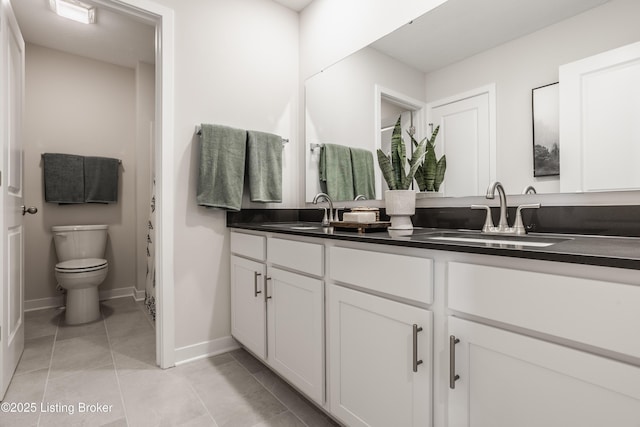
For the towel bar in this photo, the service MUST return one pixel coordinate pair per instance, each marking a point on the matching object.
(199, 132)
(313, 147)
(119, 161)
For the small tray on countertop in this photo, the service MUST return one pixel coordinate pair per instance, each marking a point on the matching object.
(361, 227)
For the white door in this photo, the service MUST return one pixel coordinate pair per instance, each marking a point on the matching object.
(248, 317)
(12, 264)
(467, 137)
(295, 330)
(507, 379)
(599, 132)
(376, 377)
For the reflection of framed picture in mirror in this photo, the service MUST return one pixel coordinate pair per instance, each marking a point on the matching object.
(546, 144)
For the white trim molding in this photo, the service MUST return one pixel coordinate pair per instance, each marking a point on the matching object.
(163, 18)
(205, 349)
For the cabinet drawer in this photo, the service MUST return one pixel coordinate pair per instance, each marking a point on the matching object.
(302, 256)
(599, 313)
(400, 275)
(248, 245)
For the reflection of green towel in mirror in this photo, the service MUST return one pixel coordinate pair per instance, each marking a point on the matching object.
(335, 171)
(363, 173)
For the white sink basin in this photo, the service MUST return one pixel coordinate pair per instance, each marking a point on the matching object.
(293, 226)
(487, 239)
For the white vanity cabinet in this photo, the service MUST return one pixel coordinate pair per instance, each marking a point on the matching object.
(508, 379)
(524, 372)
(295, 314)
(380, 349)
(248, 272)
(277, 306)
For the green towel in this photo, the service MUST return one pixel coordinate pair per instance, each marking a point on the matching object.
(63, 178)
(264, 166)
(363, 173)
(335, 171)
(101, 179)
(221, 174)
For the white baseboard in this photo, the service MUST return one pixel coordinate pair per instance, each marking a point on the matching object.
(205, 349)
(42, 303)
(138, 295)
(50, 302)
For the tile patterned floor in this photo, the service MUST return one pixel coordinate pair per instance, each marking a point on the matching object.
(111, 362)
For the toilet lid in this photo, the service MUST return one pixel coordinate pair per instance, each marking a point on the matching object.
(81, 265)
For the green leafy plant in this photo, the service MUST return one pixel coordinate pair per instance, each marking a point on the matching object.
(393, 166)
(430, 173)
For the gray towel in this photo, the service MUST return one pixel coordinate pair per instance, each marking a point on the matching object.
(101, 179)
(63, 178)
(221, 172)
(335, 171)
(264, 165)
(363, 173)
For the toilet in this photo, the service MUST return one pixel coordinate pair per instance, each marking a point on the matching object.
(81, 268)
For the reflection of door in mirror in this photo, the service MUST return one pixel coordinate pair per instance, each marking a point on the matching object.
(468, 138)
(393, 105)
(599, 131)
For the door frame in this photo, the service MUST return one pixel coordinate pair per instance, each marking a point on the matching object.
(163, 19)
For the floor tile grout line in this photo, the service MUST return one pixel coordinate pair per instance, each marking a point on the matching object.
(269, 391)
(46, 382)
(115, 370)
(202, 402)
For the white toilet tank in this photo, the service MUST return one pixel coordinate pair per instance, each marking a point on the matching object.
(79, 241)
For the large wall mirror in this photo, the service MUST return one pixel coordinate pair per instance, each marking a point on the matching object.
(492, 52)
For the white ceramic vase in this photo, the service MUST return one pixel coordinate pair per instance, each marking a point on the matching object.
(400, 205)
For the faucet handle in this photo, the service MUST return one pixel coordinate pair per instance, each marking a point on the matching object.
(336, 218)
(518, 228)
(325, 219)
(488, 221)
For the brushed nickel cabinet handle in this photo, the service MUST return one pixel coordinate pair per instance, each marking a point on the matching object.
(416, 362)
(255, 283)
(266, 296)
(452, 362)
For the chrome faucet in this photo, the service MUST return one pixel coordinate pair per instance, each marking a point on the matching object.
(503, 224)
(360, 197)
(529, 190)
(325, 221)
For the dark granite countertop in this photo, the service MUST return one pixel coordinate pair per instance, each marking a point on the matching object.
(607, 251)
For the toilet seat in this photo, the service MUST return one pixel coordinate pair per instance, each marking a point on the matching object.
(85, 265)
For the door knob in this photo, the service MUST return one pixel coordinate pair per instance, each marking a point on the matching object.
(29, 210)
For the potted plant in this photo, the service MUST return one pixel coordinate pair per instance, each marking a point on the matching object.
(400, 201)
(430, 173)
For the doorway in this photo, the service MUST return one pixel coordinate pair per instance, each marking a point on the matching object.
(161, 18)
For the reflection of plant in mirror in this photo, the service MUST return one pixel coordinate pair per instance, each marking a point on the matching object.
(430, 173)
(393, 166)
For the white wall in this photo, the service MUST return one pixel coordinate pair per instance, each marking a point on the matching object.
(79, 106)
(236, 63)
(528, 62)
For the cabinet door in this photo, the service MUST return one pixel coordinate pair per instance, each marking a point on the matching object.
(508, 379)
(372, 377)
(295, 330)
(248, 321)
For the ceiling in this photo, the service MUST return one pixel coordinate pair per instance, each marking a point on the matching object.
(459, 29)
(296, 5)
(115, 38)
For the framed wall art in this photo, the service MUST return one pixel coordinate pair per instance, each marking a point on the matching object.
(546, 130)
